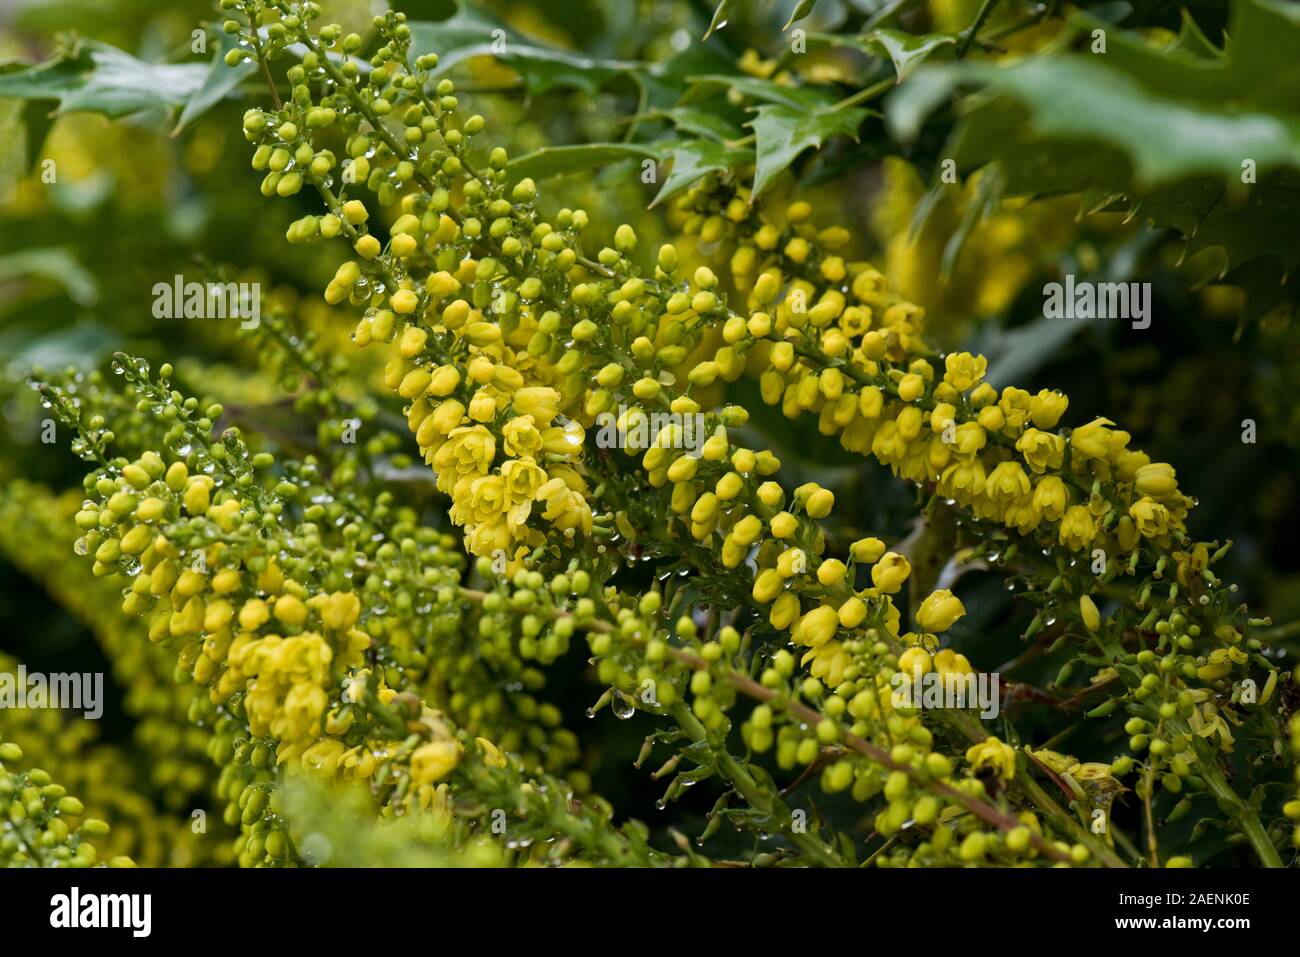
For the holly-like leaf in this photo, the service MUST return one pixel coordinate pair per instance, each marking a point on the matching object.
(783, 132)
(907, 50)
(98, 78)
(220, 82)
(701, 122)
(559, 160)
(694, 160)
(1180, 132)
(474, 31)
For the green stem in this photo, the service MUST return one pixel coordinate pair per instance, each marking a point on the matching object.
(1242, 813)
(749, 789)
(968, 37)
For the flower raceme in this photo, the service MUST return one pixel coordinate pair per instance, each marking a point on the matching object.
(510, 343)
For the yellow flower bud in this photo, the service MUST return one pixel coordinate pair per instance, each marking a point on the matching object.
(853, 612)
(939, 610)
(831, 572)
(890, 572)
(867, 550)
(783, 525)
(1088, 609)
(820, 503)
(767, 585)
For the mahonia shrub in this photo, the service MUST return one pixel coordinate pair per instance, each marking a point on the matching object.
(583, 407)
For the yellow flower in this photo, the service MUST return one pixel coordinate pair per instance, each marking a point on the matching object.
(483, 499)
(939, 610)
(489, 537)
(1050, 497)
(541, 402)
(1078, 527)
(323, 756)
(890, 572)
(915, 662)
(1046, 408)
(1092, 440)
(817, 627)
(565, 507)
(829, 661)
(1157, 480)
(963, 370)
(434, 761)
(1041, 450)
(969, 438)
(949, 662)
(300, 719)
(992, 753)
(964, 478)
(1151, 517)
(523, 478)
(1015, 406)
(492, 755)
(520, 437)
(1007, 483)
(468, 453)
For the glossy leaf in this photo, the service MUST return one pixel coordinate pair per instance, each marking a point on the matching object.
(559, 160)
(784, 132)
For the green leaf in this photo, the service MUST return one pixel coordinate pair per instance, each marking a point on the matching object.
(558, 160)
(909, 106)
(783, 132)
(85, 344)
(1167, 129)
(54, 264)
(707, 123)
(95, 77)
(720, 15)
(906, 50)
(800, 97)
(220, 82)
(694, 160)
(804, 8)
(988, 193)
(474, 31)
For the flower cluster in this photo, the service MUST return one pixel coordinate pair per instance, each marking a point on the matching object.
(44, 825)
(511, 341)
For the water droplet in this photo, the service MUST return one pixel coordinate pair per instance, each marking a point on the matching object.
(623, 706)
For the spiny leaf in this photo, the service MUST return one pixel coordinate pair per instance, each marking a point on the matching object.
(474, 31)
(701, 122)
(783, 132)
(906, 50)
(694, 160)
(220, 82)
(1169, 129)
(98, 78)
